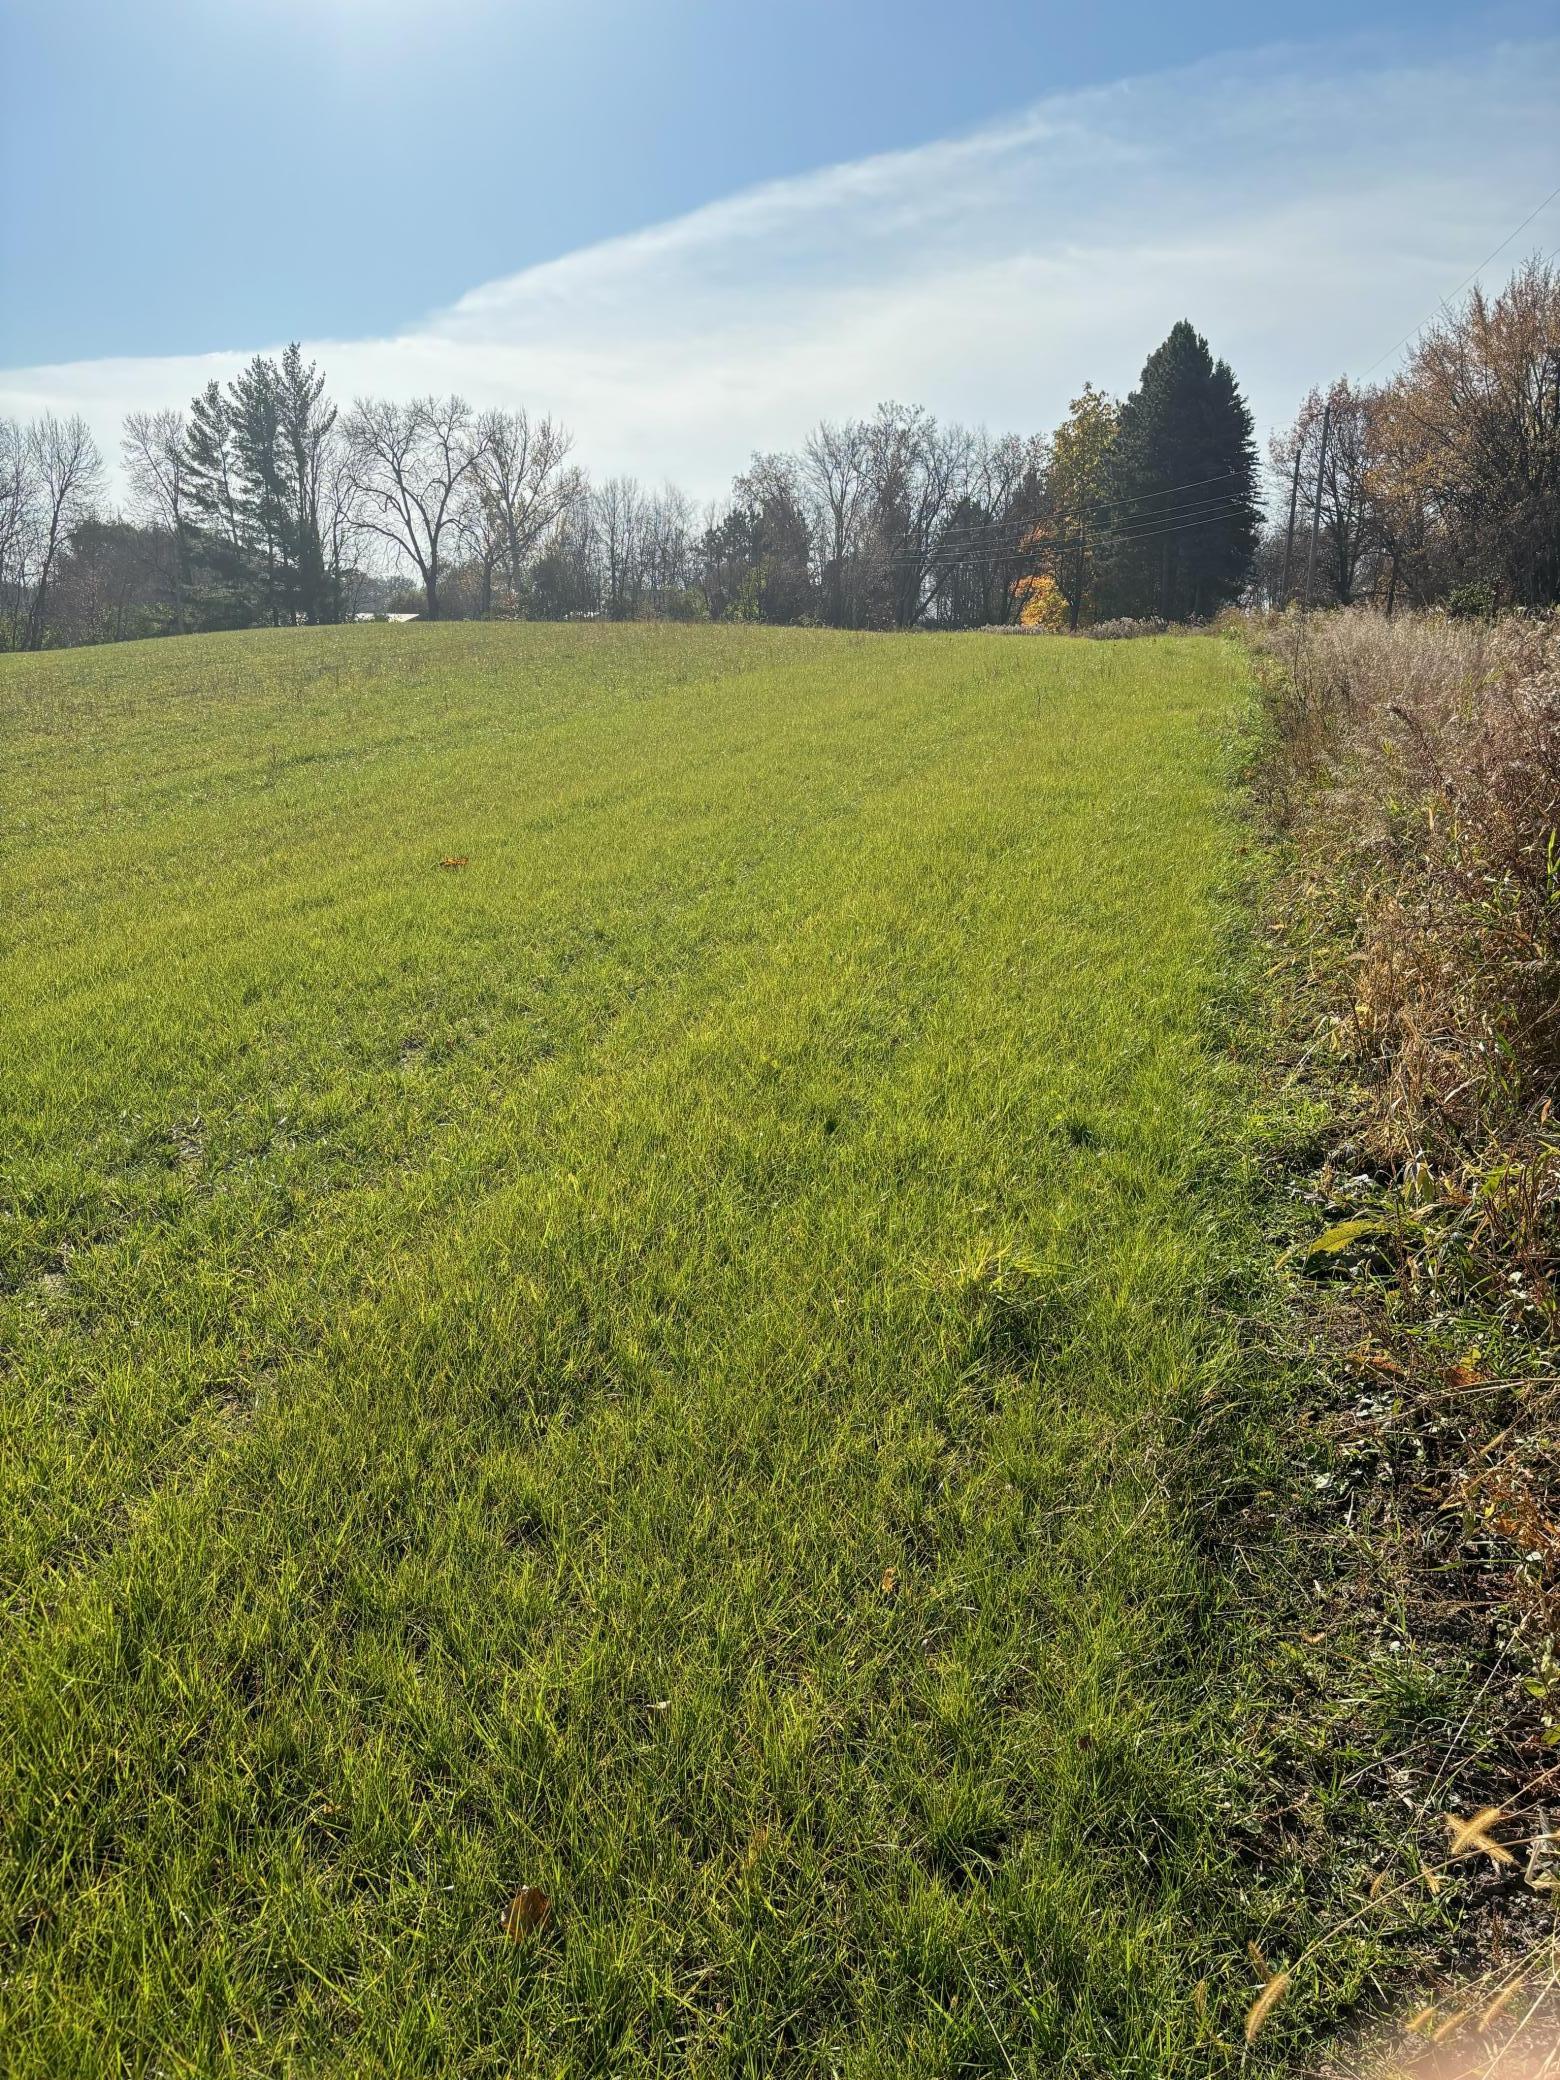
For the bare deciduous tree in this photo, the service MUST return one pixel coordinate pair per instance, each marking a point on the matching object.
(414, 467)
(64, 473)
(341, 530)
(1350, 536)
(834, 470)
(524, 487)
(156, 472)
(917, 471)
(670, 521)
(18, 497)
(618, 507)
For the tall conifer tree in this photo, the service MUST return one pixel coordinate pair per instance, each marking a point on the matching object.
(221, 575)
(255, 410)
(306, 420)
(1182, 486)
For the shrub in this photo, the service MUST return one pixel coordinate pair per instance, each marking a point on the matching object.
(1123, 628)
(1472, 602)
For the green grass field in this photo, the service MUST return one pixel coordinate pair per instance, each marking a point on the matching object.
(652, 1365)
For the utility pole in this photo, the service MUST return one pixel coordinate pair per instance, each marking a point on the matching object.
(1316, 506)
(1083, 550)
(1289, 539)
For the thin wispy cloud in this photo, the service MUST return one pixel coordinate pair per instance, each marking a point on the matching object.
(1304, 211)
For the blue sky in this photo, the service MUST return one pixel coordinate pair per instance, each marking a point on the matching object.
(692, 228)
(182, 175)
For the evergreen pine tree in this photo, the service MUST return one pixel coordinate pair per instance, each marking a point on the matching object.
(219, 558)
(305, 421)
(1182, 498)
(266, 490)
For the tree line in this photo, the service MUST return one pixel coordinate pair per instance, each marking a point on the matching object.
(263, 503)
(1442, 485)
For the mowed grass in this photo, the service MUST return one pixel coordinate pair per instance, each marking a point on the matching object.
(654, 1365)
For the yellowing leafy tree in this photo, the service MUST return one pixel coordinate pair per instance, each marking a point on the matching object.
(1080, 448)
(1041, 602)
(1071, 507)
(1469, 441)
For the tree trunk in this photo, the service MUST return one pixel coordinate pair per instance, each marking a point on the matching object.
(178, 578)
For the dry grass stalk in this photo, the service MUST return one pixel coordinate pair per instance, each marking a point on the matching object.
(1264, 2004)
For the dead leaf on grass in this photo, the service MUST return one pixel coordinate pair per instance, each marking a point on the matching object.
(1465, 1373)
(529, 1910)
(1367, 1360)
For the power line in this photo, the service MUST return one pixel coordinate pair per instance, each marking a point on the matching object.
(1218, 477)
(1226, 510)
(1220, 510)
(990, 542)
(1135, 514)
(1127, 532)
(1019, 530)
(1058, 545)
(984, 531)
(1506, 241)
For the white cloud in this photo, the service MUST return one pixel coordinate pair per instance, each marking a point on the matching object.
(1304, 212)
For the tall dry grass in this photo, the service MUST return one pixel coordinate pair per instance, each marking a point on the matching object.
(1414, 764)
(1411, 769)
